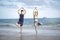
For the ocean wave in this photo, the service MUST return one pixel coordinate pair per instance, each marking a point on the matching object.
(7, 25)
(28, 25)
(14, 25)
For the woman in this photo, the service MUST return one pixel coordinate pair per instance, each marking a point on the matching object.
(21, 13)
(35, 15)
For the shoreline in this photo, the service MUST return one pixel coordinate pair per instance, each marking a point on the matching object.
(10, 32)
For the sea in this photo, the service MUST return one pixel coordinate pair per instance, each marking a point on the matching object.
(48, 30)
(29, 22)
(43, 21)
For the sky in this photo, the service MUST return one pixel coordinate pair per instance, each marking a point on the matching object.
(46, 8)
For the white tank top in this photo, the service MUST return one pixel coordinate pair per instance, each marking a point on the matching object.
(35, 17)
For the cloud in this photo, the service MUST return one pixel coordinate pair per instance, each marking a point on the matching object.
(9, 0)
(49, 13)
(55, 4)
(11, 4)
(32, 3)
(46, 8)
(7, 4)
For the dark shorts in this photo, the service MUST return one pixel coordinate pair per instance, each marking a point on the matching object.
(21, 23)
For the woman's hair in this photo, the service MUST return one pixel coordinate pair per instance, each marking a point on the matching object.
(21, 10)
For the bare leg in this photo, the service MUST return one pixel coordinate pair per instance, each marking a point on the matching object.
(18, 25)
(36, 27)
(36, 30)
(21, 29)
(36, 24)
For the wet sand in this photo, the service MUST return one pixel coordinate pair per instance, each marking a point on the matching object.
(29, 34)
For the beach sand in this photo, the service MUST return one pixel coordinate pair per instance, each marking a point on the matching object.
(46, 33)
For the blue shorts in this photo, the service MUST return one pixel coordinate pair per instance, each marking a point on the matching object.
(21, 23)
